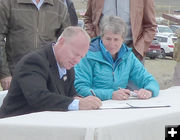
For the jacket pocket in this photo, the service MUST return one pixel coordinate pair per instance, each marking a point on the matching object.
(52, 23)
(22, 19)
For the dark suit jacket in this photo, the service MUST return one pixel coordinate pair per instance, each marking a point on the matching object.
(72, 13)
(36, 86)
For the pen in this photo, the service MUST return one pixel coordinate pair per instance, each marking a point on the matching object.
(131, 93)
(92, 92)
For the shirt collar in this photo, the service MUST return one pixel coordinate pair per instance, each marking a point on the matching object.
(62, 71)
(107, 54)
(65, 3)
(38, 5)
(30, 1)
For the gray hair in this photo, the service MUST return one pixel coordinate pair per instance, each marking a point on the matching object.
(114, 24)
(73, 31)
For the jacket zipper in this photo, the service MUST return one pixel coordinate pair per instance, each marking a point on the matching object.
(113, 73)
(113, 68)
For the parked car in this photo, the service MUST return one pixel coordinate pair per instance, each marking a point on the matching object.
(164, 30)
(154, 49)
(174, 27)
(167, 45)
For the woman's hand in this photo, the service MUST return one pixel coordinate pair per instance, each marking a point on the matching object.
(143, 94)
(121, 94)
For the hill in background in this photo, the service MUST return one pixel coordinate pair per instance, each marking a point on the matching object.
(166, 6)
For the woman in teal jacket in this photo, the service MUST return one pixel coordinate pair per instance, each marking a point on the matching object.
(110, 64)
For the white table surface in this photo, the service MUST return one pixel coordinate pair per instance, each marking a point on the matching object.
(113, 124)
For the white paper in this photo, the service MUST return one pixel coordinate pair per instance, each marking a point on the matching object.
(147, 104)
(132, 104)
(113, 105)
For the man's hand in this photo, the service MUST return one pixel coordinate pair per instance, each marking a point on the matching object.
(5, 82)
(89, 103)
(121, 94)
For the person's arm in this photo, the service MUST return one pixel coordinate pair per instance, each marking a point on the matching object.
(176, 54)
(5, 76)
(5, 82)
(141, 77)
(88, 23)
(87, 103)
(84, 81)
(72, 13)
(33, 77)
(65, 20)
(148, 23)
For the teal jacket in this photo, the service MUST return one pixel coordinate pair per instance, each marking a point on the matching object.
(96, 71)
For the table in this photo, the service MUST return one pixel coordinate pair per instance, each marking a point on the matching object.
(113, 124)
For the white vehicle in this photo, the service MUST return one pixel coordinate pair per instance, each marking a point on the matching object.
(167, 45)
(174, 28)
(164, 30)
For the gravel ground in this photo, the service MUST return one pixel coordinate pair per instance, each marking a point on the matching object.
(162, 70)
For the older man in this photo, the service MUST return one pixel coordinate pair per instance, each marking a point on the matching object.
(139, 16)
(44, 80)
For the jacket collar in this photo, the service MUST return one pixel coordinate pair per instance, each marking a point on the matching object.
(30, 1)
(95, 51)
(51, 57)
(53, 67)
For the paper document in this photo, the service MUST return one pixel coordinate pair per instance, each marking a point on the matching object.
(147, 105)
(114, 105)
(128, 105)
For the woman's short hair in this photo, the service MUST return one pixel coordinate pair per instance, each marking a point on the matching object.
(114, 24)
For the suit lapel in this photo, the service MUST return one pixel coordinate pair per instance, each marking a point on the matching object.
(54, 70)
